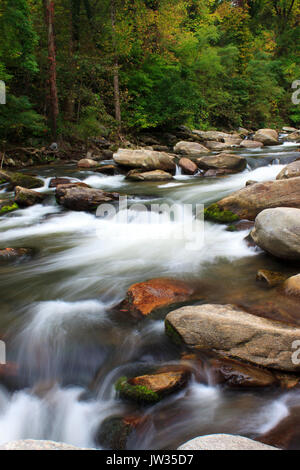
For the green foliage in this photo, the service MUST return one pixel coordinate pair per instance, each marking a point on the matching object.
(137, 393)
(215, 214)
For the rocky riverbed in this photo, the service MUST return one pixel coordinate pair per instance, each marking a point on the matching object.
(120, 336)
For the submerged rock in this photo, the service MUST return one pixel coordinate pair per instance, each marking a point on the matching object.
(237, 375)
(248, 202)
(193, 149)
(223, 161)
(271, 278)
(110, 170)
(27, 197)
(81, 198)
(155, 175)
(145, 159)
(12, 254)
(233, 333)
(153, 387)
(223, 442)
(146, 297)
(114, 432)
(21, 179)
(277, 231)
(290, 171)
(54, 182)
(267, 137)
(188, 166)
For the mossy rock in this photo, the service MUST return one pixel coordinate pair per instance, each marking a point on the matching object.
(216, 214)
(172, 334)
(20, 179)
(114, 433)
(136, 393)
(9, 207)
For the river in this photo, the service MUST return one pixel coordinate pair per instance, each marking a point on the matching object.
(70, 348)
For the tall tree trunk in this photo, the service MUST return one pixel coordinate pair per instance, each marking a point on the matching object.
(54, 110)
(116, 65)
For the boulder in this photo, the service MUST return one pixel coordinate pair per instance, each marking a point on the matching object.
(237, 375)
(54, 182)
(292, 286)
(233, 333)
(109, 170)
(212, 135)
(223, 442)
(20, 179)
(145, 160)
(193, 149)
(277, 231)
(155, 175)
(87, 163)
(188, 167)
(292, 170)
(80, 198)
(7, 206)
(218, 173)
(223, 161)
(294, 137)
(266, 137)
(270, 278)
(27, 197)
(153, 387)
(218, 146)
(248, 202)
(251, 144)
(146, 297)
(289, 130)
(115, 431)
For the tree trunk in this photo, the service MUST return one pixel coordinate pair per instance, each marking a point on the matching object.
(54, 111)
(116, 65)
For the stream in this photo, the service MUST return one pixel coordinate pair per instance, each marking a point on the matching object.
(68, 347)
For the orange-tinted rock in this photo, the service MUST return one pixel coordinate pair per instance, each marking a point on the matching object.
(292, 286)
(54, 182)
(145, 297)
(188, 167)
(14, 253)
(162, 383)
(272, 279)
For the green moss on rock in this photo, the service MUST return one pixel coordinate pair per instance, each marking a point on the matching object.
(216, 214)
(172, 333)
(136, 393)
(20, 179)
(8, 208)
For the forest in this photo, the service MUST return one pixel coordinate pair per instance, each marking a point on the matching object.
(76, 70)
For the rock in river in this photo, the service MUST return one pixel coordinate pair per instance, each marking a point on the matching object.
(153, 387)
(27, 197)
(224, 161)
(145, 297)
(292, 286)
(145, 159)
(251, 144)
(223, 442)
(267, 137)
(79, 198)
(248, 202)
(7, 206)
(12, 254)
(21, 179)
(188, 166)
(155, 175)
(192, 149)
(277, 231)
(290, 171)
(233, 333)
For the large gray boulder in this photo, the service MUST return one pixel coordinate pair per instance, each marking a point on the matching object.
(267, 137)
(155, 175)
(144, 159)
(224, 442)
(80, 198)
(277, 231)
(215, 136)
(192, 149)
(234, 333)
(251, 144)
(248, 202)
(223, 161)
(292, 170)
(294, 137)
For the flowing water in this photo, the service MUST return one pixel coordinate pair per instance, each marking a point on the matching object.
(65, 346)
